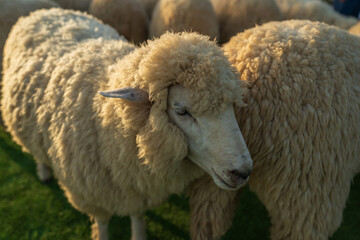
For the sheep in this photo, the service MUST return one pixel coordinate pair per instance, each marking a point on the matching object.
(355, 29)
(235, 16)
(164, 115)
(184, 15)
(149, 5)
(301, 125)
(128, 17)
(314, 10)
(81, 5)
(11, 10)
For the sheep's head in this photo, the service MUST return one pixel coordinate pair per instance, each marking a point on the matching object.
(215, 142)
(191, 90)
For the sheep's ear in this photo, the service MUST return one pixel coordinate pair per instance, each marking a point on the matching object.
(128, 93)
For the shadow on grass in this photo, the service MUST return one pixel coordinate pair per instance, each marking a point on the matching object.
(25, 161)
(15, 154)
(178, 232)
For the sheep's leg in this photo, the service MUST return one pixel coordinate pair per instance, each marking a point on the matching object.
(99, 229)
(43, 172)
(138, 227)
(211, 209)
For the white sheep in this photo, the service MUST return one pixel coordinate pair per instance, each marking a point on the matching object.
(301, 124)
(167, 118)
(11, 10)
(314, 10)
(128, 17)
(235, 16)
(184, 15)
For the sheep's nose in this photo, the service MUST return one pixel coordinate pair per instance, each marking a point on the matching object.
(238, 175)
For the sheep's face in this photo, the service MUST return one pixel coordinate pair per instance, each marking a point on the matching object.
(214, 140)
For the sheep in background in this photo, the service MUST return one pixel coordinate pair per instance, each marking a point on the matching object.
(81, 5)
(184, 15)
(301, 125)
(149, 5)
(128, 17)
(11, 10)
(235, 16)
(314, 10)
(167, 106)
(355, 29)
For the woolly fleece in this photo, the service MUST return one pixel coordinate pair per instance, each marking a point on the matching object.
(301, 125)
(128, 17)
(184, 15)
(314, 10)
(355, 29)
(234, 16)
(11, 10)
(110, 156)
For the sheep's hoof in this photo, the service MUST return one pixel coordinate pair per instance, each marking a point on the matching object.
(44, 173)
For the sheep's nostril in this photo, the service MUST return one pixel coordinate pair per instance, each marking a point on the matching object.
(239, 174)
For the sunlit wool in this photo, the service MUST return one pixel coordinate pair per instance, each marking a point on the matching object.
(11, 10)
(301, 125)
(110, 156)
(355, 29)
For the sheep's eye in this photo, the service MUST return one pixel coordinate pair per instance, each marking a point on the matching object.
(183, 113)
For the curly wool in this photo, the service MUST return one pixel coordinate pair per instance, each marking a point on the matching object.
(184, 15)
(234, 16)
(11, 10)
(355, 29)
(111, 156)
(128, 17)
(301, 125)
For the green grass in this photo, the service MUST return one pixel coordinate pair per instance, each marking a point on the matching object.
(31, 210)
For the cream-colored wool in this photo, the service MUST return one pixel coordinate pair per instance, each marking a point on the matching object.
(184, 15)
(314, 10)
(355, 29)
(81, 5)
(11, 10)
(128, 17)
(234, 16)
(301, 125)
(110, 156)
(149, 5)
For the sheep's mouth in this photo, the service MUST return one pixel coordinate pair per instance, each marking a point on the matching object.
(222, 181)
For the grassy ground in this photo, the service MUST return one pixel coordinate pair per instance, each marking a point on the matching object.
(30, 210)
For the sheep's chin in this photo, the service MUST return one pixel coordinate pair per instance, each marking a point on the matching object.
(224, 185)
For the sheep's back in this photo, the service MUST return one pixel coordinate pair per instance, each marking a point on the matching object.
(32, 54)
(301, 123)
(11, 10)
